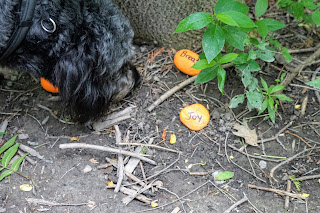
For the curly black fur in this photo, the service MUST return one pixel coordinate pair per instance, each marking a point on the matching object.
(87, 57)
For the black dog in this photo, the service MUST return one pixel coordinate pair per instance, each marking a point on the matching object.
(81, 46)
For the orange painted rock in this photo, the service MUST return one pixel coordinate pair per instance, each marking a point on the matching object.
(195, 117)
(184, 59)
(48, 86)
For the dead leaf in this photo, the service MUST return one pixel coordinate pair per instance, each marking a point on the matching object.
(173, 139)
(164, 134)
(94, 161)
(26, 187)
(250, 136)
(75, 138)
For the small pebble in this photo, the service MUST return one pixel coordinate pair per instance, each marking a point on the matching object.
(87, 169)
(263, 164)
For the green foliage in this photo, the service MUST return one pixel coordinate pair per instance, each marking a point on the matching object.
(315, 83)
(10, 149)
(224, 175)
(271, 98)
(228, 29)
(297, 183)
(297, 8)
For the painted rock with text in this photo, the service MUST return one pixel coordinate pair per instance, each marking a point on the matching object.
(195, 117)
(184, 60)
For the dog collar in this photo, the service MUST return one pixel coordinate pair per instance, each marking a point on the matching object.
(26, 15)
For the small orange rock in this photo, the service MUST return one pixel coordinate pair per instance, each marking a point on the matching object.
(184, 59)
(195, 116)
(48, 86)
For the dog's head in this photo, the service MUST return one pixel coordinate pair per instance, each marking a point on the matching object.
(84, 48)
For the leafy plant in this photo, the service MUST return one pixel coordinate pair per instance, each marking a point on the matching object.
(243, 42)
(270, 98)
(10, 149)
(298, 9)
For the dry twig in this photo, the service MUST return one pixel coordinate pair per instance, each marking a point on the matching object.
(280, 192)
(106, 149)
(286, 161)
(295, 72)
(238, 203)
(177, 88)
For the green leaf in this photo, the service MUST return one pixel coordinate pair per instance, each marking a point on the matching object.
(275, 43)
(241, 59)
(255, 99)
(230, 5)
(236, 100)
(203, 63)
(282, 97)
(253, 84)
(3, 133)
(234, 36)
(9, 154)
(271, 102)
(194, 21)
(265, 55)
(213, 41)
(276, 88)
(297, 10)
(228, 58)
(8, 144)
(221, 78)
(262, 28)
(316, 17)
(246, 77)
(272, 24)
(252, 65)
(207, 74)
(272, 113)
(264, 106)
(264, 84)
(224, 175)
(315, 83)
(261, 7)
(227, 19)
(241, 19)
(286, 54)
(14, 167)
(284, 3)
(309, 4)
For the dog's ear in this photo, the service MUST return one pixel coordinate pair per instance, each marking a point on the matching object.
(82, 82)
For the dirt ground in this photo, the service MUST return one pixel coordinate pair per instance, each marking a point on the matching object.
(62, 185)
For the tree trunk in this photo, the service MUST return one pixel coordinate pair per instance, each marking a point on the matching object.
(156, 20)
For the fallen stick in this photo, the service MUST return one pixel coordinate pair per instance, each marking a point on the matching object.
(287, 161)
(133, 162)
(128, 174)
(132, 196)
(287, 200)
(177, 88)
(140, 197)
(112, 119)
(53, 115)
(308, 177)
(106, 149)
(295, 72)
(149, 145)
(238, 203)
(43, 202)
(278, 191)
(120, 172)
